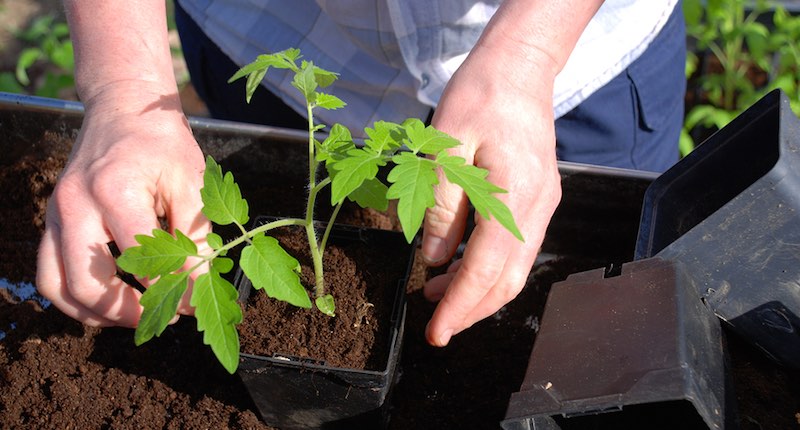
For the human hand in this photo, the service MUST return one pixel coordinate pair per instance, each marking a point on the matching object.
(504, 119)
(135, 161)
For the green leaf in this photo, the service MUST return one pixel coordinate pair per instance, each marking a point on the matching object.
(279, 60)
(685, 143)
(222, 265)
(384, 136)
(305, 81)
(9, 83)
(157, 255)
(253, 81)
(25, 61)
(427, 140)
(160, 303)
(217, 314)
(412, 180)
(336, 145)
(692, 11)
(326, 305)
(214, 240)
(256, 70)
(222, 200)
(371, 194)
(324, 77)
(351, 172)
(473, 181)
(270, 268)
(330, 102)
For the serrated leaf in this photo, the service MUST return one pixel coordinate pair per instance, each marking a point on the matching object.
(279, 60)
(328, 101)
(256, 70)
(324, 77)
(217, 314)
(472, 180)
(352, 171)
(305, 81)
(160, 303)
(157, 255)
(326, 305)
(427, 140)
(383, 136)
(371, 194)
(270, 268)
(222, 201)
(253, 81)
(412, 180)
(336, 145)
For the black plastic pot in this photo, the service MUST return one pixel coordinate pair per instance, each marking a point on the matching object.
(302, 393)
(636, 350)
(730, 213)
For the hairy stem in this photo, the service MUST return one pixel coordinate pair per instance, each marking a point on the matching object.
(316, 252)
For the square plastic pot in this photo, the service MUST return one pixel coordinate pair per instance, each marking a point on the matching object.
(730, 213)
(636, 350)
(301, 393)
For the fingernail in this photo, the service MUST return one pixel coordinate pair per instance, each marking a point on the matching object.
(444, 339)
(434, 249)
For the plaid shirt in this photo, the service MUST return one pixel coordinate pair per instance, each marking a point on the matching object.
(395, 57)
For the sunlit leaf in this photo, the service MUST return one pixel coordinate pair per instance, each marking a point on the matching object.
(412, 180)
(217, 313)
(326, 305)
(480, 191)
(270, 268)
(160, 303)
(157, 255)
(222, 200)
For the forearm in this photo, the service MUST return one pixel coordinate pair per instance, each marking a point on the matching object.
(535, 38)
(121, 51)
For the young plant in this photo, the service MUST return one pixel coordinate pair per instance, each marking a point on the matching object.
(743, 56)
(415, 150)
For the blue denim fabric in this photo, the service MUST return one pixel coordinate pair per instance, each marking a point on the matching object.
(634, 121)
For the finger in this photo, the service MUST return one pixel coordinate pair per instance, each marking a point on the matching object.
(444, 223)
(435, 288)
(483, 282)
(185, 214)
(129, 210)
(91, 271)
(51, 281)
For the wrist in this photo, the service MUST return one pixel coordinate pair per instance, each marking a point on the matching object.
(131, 98)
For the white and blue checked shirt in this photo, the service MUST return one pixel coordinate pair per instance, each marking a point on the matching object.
(394, 57)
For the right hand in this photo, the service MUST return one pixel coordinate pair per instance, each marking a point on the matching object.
(135, 161)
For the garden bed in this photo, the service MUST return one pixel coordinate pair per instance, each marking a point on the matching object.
(56, 373)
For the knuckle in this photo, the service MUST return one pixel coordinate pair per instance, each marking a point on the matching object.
(481, 278)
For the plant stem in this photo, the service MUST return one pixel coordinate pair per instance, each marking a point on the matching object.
(313, 245)
(246, 237)
(329, 226)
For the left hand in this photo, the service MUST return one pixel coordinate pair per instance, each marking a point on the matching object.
(504, 119)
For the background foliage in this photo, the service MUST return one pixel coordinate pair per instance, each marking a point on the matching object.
(739, 50)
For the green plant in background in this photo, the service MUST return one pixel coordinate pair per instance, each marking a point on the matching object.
(48, 50)
(415, 150)
(740, 59)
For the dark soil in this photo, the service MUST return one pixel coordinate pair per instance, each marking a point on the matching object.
(360, 279)
(57, 374)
